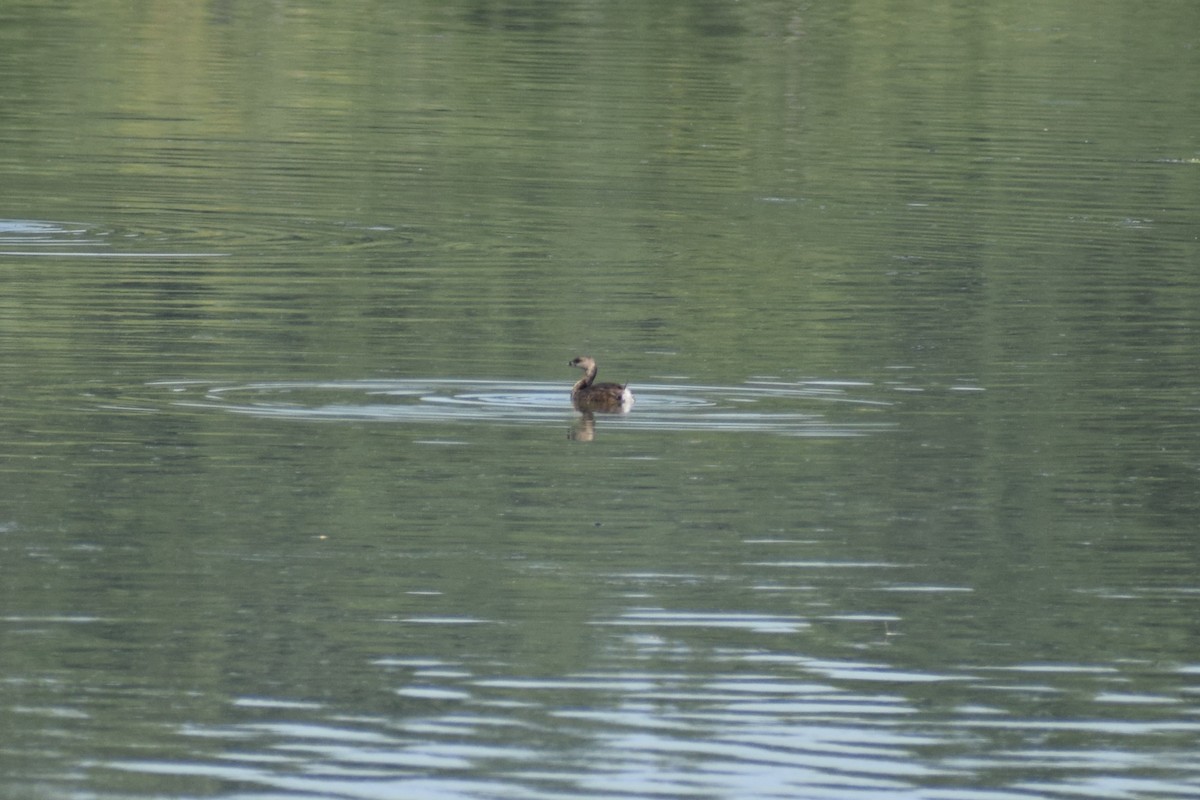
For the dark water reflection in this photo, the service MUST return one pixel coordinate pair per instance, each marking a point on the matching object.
(289, 505)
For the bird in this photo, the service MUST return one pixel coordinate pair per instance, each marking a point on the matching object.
(587, 395)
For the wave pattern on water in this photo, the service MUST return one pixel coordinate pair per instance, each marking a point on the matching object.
(792, 409)
(269, 236)
(43, 238)
(771, 725)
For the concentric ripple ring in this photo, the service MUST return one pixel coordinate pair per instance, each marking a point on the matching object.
(790, 409)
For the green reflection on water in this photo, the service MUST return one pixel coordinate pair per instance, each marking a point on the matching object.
(982, 217)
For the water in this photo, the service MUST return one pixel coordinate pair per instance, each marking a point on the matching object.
(293, 502)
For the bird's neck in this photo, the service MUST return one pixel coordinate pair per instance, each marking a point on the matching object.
(586, 380)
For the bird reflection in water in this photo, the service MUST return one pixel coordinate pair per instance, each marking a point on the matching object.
(590, 397)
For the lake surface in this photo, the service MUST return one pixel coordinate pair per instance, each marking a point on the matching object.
(293, 501)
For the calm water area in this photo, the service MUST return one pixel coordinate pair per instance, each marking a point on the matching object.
(294, 502)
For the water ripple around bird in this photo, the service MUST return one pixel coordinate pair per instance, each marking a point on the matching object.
(791, 409)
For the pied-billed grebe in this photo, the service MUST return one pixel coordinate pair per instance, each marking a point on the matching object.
(587, 395)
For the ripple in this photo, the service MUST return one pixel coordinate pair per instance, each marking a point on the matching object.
(266, 234)
(41, 238)
(794, 409)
